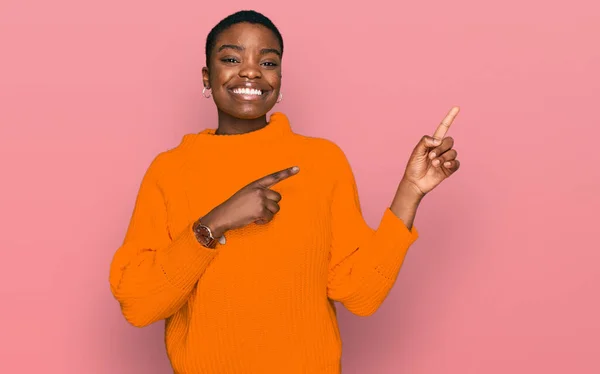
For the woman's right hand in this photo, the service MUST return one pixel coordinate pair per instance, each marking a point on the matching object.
(254, 203)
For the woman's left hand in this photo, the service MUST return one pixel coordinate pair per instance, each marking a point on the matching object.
(433, 159)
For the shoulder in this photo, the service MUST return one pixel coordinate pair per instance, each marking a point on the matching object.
(169, 161)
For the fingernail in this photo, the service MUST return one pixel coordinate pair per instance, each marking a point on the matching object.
(295, 169)
(432, 155)
(447, 164)
(436, 162)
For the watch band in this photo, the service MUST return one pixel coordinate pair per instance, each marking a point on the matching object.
(204, 235)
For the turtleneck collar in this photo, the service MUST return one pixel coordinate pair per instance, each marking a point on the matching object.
(277, 128)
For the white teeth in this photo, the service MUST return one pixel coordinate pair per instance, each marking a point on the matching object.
(247, 91)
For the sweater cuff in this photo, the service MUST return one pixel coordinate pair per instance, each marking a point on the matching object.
(394, 239)
(397, 228)
(184, 261)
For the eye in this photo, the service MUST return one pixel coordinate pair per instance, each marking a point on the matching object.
(229, 60)
(270, 64)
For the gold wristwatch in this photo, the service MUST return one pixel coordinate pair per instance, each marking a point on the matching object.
(204, 235)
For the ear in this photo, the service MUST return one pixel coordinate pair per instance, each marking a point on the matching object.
(205, 77)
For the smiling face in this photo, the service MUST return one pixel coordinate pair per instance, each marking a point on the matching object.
(244, 71)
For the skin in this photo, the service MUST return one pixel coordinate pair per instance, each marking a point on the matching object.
(244, 55)
(247, 55)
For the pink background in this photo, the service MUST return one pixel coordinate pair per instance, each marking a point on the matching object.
(504, 278)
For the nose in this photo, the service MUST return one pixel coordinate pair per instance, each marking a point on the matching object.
(250, 70)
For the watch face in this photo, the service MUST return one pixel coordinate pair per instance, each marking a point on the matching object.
(202, 230)
(203, 235)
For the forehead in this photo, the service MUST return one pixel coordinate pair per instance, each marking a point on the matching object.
(249, 36)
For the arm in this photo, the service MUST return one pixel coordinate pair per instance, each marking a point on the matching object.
(365, 262)
(152, 274)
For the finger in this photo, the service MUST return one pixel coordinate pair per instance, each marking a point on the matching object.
(271, 179)
(272, 195)
(265, 217)
(447, 143)
(443, 127)
(452, 165)
(272, 206)
(445, 157)
(427, 142)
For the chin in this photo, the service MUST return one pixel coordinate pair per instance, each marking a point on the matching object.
(248, 113)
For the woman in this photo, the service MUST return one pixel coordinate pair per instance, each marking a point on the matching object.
(243, 237)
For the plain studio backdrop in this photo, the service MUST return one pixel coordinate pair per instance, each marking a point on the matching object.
(504, 276)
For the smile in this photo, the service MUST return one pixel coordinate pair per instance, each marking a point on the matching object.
(247, 93)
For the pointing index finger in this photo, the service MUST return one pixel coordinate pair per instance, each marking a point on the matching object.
(442, 129)
(272, 179)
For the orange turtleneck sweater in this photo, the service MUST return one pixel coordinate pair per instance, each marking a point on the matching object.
(263, 302)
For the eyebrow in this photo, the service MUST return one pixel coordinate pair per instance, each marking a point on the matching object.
(263, 51)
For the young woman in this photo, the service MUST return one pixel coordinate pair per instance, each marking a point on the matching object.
(243, 236)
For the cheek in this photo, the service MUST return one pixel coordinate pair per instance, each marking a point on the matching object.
(219, 77)
(274, 79)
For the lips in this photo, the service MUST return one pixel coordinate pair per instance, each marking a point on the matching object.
(248, 92)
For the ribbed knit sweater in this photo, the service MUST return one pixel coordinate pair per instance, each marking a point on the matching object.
(263, 302)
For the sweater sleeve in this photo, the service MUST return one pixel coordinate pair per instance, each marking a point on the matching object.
(153, 274)
(364, 263)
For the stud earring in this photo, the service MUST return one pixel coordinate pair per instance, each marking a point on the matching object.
(204, 90)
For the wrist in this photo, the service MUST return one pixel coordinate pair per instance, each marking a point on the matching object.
(408, 193)
(216, 227)
(406, 202)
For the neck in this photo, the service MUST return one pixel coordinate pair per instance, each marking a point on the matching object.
(229, 125)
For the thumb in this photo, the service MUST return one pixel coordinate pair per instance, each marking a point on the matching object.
(427, 142)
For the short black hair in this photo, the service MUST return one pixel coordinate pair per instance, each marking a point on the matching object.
(248, 16)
